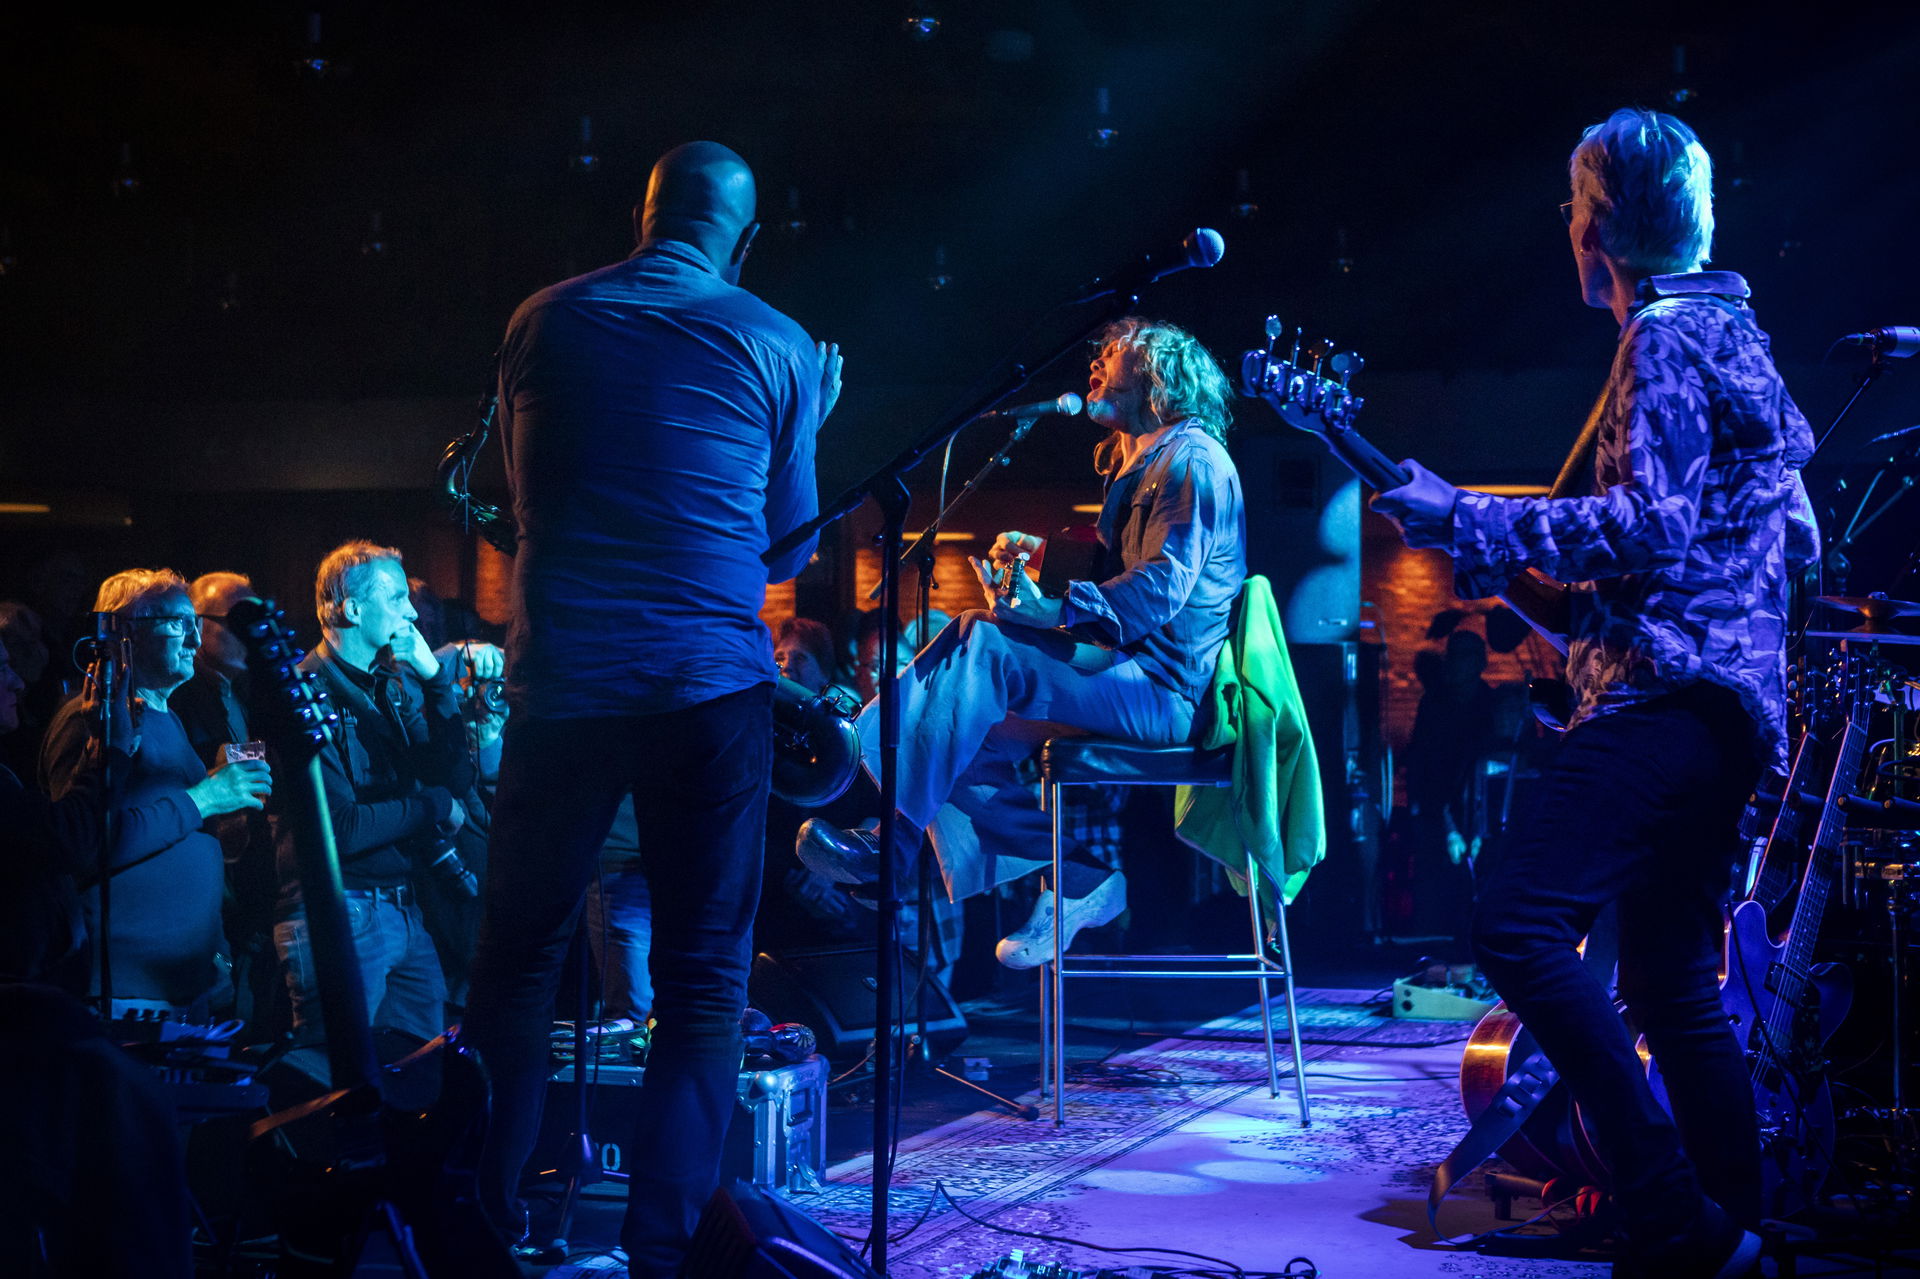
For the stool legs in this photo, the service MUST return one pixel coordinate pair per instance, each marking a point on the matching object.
(1054, 978)
(1293, 1013)
(1259, 952)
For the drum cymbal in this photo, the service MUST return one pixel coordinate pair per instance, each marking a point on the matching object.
(1872, 607)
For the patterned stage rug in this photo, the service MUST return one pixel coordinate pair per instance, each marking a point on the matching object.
(1177, 1145)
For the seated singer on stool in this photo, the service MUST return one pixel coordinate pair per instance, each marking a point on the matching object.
(1127, 654)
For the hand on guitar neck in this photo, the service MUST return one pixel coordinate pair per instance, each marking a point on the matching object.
(1322, 405)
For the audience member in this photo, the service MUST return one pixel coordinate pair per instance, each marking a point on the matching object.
(213, 707)
(392, 786)
(452, 913)
(164, 936)
(22, 633)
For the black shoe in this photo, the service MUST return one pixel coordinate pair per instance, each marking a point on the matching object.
(843, 856)
(1712, 1246)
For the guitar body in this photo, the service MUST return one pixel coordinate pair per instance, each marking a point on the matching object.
(1550, 1144)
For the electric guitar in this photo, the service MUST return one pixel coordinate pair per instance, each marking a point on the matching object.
(407, 1168)
(1322, 405)
(1783, 1006)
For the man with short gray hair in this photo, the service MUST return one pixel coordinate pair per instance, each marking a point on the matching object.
(391, 777)
(1680, 548)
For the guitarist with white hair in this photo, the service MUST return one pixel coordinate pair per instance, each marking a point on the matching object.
(1678, 557)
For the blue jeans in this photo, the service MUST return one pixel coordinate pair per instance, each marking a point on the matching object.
(974, 705)
(699, 781)
(406, 989)
(620, 930)
(1639, 807)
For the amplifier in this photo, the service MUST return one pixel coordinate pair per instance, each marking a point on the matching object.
(830, 989)
(777, 1141)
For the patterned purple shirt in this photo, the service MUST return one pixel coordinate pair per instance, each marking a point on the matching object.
(1680, 560)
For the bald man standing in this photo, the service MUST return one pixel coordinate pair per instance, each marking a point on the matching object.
(658, 422)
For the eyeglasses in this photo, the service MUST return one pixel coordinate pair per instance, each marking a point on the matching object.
(169, 623)
(1566, 213)
(211, 617)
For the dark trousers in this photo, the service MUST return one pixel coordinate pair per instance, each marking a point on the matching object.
(699, 781)
(1640, 808)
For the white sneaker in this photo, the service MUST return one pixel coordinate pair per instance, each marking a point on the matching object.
(1032, 944)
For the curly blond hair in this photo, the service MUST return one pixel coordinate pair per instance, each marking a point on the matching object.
(1184, 383)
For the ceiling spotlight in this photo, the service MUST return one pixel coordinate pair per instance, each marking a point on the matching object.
(921, 23)
(1103, 134)
(314, 63)
(584, 159)
(126, 182)
(1681, 93)
(793, 225)
(375, 245)
(1343, 262)
(939, 277)
(1243, 206)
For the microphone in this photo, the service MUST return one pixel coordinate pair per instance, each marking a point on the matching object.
(1068, 404)
(1203, 246)
(1895, 342)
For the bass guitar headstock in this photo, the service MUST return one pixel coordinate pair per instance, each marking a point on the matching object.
(288, 705)
(1308, 385)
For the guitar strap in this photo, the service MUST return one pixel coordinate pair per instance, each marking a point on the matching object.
(1580, 456)
(1526, 1087)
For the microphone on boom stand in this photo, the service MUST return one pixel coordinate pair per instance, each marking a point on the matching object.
(1067, 405)
(1202, 247)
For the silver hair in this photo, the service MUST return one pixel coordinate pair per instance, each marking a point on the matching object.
(1648, 185)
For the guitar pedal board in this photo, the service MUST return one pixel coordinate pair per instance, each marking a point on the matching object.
(1015, 1265)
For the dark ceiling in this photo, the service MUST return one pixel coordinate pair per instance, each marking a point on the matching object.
(189, 215)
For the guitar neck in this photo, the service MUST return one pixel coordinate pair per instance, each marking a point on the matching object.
(1816, 884)
(1773, 874)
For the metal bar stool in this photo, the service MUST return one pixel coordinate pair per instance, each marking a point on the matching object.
(1089, 761)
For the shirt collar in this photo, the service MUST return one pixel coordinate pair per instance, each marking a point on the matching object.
(679, 251)
(363, 680)
(1728, 284)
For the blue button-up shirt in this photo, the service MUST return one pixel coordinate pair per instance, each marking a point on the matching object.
(659, 430)
(1681, 556)
(1173, 531)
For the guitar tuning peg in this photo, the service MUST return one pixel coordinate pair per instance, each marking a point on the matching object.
(1317, 351)
(1346, 364)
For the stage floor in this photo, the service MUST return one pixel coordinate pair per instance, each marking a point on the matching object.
(1173, 1142)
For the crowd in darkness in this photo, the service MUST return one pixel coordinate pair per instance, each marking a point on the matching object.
(206, 918)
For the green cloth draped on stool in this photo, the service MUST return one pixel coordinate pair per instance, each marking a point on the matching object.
(1273, 812)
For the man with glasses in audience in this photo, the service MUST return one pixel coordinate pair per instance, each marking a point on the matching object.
(164, 936)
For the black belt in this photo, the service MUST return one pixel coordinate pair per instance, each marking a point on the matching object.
(399, 894)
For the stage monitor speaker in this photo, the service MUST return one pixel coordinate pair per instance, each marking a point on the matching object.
(830, 990)
(748, 1234)
(1303, 531)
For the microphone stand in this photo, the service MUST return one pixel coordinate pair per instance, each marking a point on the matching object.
(1834, 557)
(887, 487)
(921, 555)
